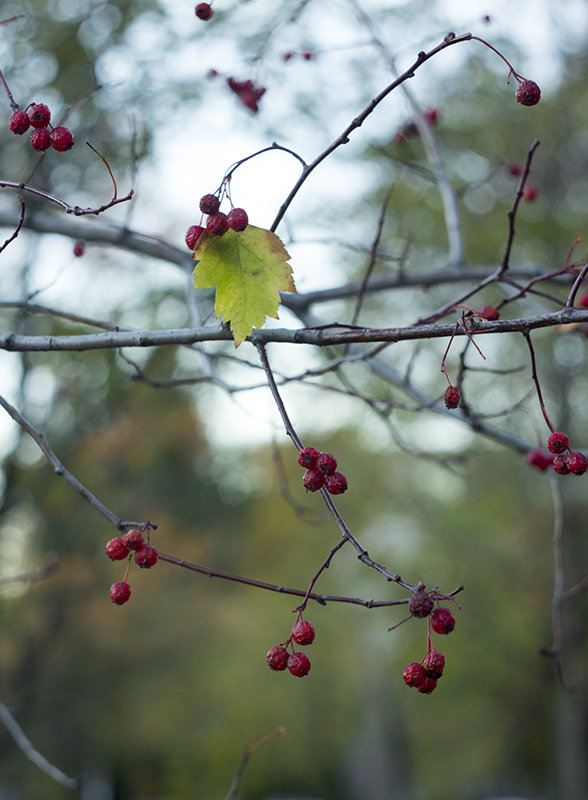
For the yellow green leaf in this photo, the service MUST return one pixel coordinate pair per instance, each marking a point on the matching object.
(248, 269)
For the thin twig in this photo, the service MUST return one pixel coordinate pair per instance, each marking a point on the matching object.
(248, 751)
(19, 225)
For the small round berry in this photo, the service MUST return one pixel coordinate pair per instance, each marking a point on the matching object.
(432, 115)
(452, 397)
(209, 204)
(308, 55)
(277, 658)
(488, 312)
(238, 219)
(434, 663)
(307, 457)
(288, 56)
(577, 463)
(530, 193)
(313, 480)
(62, 139)
(303, 632)
(204, 12)
(442, 620)
(336, 483)
(193, 233)
(558, 442)
(560, 464)
(515, 170)
(40, 139)
(528, 93)
(414, 674)
(420, 604)
(120, 592)
(326, 464)
(19, 122)
(583, 300)
(146, 556)
(299, 664)
(79, 249)
(133, 539)
(427, 686)
(218, 224)
(536, 458)
(116, 549)
(39, 115)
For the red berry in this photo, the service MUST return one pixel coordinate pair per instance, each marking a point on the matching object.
(434, 663)
(442, 620)
(247, 92)
(560, 464)
(577, 463)
(277, 658)
(62, 139)
(557, 442)
(326, 464)
(452, 397)
(193, 233)
(120, 592)
(217, 224)
(530, 192)
(40, 139)
(209, 204)
(582, 300)
(528, 93)
(313, 480)
(303, 632)
(39, 115)
(146, 556)
(488, 312)
(336, 483)
(420, 604)
(287, 56)
(203, 11)
(133, 539)
(19, 122)
(79, 249)
(307, 457)
(535, 458)
(427, 686)
(238, 219)
(432, 115)
(399, 138)
(307, 55)
(299, 664)
(414, 674)
(515, 170)
(116, 549)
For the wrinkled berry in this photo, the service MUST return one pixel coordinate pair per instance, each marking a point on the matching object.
(193, 233)
(442, 620)
(528, 93)
(277, 658)
(307, 457)
(336, 483)
(313, 480)
(427, 686)
(536, 458)
(116, 549)
(577, 463)
(217, 224)
(326, 464)
(420, 604)
(434, 663)
(62, 139)
(414, 674)
(120, 592)
(238, 219)
(558, 442)
(303, 632)
(452, 397)
(203, 11)
(39, 115)
(40, 139)
(299, 664)
(209, 204)
(560, 464)
(19, 122)
(146, 556)
(133, 539)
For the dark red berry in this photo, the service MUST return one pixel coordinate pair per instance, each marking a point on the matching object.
(247, 92)
(307, 55)
(528, 93)
(146, 556)
(442, 620)
(62, 139)
(120, 592)
(515, 170)
(203, 11)
(277, 658)
(432, 115)
(530, 192)
(39, 115)
(488, 312)
(209, 204)
(582, 300)
(313, 480)
(326, 464)
(79, 249)
(307, 457)
(40, 139)
(452, 397)
(577, 463)
(560, 464)
(238, 219)
(420, 604)
(299, 664)
(414, 674)
(536, 458)
(217, 224)
(133, 539)
(434, 663)
(19, 122)
(193, 233)
(116, 549)
(303, 632)
(558, 442)
(336, 483)
(427, 686)
(288, 56)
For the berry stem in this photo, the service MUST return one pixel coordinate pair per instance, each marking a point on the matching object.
(13, 104)
(325, 565)
(576, 286)
(535, 377)
(512, 70)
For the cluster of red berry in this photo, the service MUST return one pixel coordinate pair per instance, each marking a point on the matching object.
(217, 223)
(563, 460)
(297, 662)
(203, 11)
(121, 547)
(424, 675)
(320, 471)
(43, 136)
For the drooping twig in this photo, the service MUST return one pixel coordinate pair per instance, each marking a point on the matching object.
(248, 751)
(18, 227)
(535, 377)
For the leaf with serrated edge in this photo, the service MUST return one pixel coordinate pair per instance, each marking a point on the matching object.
(248, 269)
